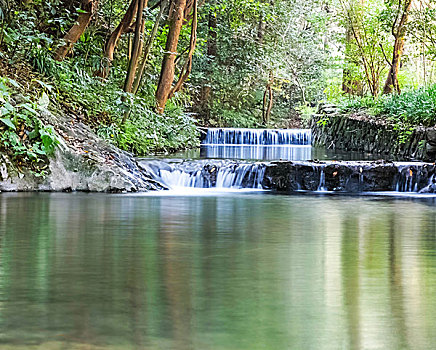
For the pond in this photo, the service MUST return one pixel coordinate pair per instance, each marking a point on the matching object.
(276, 152)
(216, 270)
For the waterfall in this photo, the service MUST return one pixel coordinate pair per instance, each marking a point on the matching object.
(206, 174)
(321, 185)
(351, 177)
(234, 136)
(415, 177)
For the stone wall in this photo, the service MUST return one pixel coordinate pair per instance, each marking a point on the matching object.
(361, 133)
(351, 177)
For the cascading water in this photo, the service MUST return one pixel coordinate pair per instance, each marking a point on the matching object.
(352, 177)
(415, 177)
(207, 174)
(321, 185)
(233, 136)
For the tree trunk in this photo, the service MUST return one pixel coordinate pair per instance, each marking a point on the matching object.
(268, 97)
(212, 50)
(398, 32)
(187, 68)
(137, 45)
(347, 82)
(112, 42)
(261, 31)
(79, 27)
(166, 79)
(148, 46)
(391, 83)
(212, 35)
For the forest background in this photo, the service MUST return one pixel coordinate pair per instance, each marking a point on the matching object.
(145, 74)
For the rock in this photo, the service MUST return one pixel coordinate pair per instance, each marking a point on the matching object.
(431, 142)
(330, 110)
(347, 176)
(82, 162)
(429, 189)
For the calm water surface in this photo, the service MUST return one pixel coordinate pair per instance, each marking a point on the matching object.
(276, 152)
(230, 271)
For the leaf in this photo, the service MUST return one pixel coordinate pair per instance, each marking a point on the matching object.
(44, 101)
(8, 123)
(14, 83)
(28, 108)
(44, 85)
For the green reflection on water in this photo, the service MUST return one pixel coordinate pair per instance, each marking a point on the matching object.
(216, 272)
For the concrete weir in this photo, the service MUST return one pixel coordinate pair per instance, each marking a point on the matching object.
(287, 176)
(350, 177)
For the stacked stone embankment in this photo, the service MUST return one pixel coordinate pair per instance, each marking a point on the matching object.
(363, 133)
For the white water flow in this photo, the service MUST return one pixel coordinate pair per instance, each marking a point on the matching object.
(234, 136)
(411, 177)
(203, 174)
(352, 177)
(262, 152)
(321, 185)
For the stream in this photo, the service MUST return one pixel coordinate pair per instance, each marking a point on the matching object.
(221, 265)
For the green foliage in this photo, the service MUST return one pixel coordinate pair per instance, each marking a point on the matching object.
(307, 47)
(255, 39)
(413, 107)
(104, 105)
(33, 34)
(22, 135)
(368, 104)
(404, 112)
(147, 132)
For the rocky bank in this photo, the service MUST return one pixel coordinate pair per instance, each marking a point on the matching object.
(82, 162)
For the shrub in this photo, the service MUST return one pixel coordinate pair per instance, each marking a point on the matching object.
(22, 135)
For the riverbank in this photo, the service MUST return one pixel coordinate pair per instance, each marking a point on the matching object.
(82, 161)
(65, 135)
(361, 132)
(46, 144)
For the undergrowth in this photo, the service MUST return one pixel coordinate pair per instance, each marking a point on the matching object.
(23, 136)
(403, 111)
(74, 89)
(412, 107)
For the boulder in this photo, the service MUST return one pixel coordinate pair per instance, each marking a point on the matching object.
(82, 162)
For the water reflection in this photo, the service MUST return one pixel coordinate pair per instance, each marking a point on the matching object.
(257, 152)
(267, 153)
(232, 271)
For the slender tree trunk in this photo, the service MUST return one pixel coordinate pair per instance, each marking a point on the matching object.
(136, 46)
(350, 85)
(261, 31)
(166, 79)
(391, 83)
(112, 42)
(79, 27)
(398, 32)
(148, 47)
(212, 35)
(138, 41)
(187, 68)
(346, 74)
(268, 100)
(212, 50)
